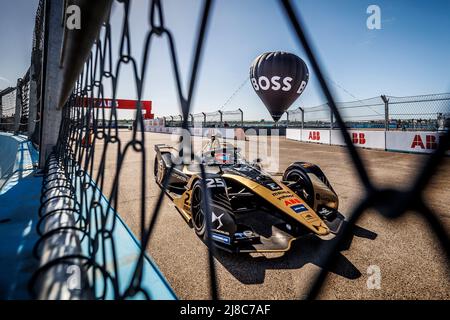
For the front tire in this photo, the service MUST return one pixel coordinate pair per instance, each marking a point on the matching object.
(304, 188)
(198, 215)
(159, 170)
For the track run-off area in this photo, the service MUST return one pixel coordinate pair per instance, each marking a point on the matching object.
(407, 255)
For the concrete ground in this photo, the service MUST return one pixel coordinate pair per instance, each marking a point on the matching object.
(20, 191)
(404, 250)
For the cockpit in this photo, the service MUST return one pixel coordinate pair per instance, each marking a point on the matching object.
(218, 152)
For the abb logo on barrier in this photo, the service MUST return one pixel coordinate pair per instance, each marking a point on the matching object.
(314, 135)
(358, 138)
(430, 142)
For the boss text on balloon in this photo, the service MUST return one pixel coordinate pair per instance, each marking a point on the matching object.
(276, 83)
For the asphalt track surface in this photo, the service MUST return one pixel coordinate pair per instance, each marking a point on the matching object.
(406, 252)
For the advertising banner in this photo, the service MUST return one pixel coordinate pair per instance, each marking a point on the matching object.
(316, 136)
(416, 141)
(361, 138)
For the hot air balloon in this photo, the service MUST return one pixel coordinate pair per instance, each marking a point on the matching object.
(278, 78)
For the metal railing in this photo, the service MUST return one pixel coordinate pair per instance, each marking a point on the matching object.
(424, 112)
(229, 118)
(15, 106)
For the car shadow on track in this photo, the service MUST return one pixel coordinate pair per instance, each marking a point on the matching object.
(249, 269)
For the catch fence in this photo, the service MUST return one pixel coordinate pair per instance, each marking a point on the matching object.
(424, 112)
(229, 118)
(429, 112)
(15, 106)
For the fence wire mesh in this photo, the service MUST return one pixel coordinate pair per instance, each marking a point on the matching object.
(198, 119)
(232, 118)
(208, 119)
(14, 106)
(426, 112)
(82, 138)
(7, 109)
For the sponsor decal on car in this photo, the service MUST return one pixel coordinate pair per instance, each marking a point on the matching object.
(221, 231)
(279, 193)
(272, 186)
(215, 183)
(286, 196)
(290, 202)
(244, 235)
(299, 208)
(221, 238)
(217, 218)
(179, 177)
(308, 217)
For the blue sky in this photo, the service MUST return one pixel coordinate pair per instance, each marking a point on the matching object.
(16, 29)
(408, 56)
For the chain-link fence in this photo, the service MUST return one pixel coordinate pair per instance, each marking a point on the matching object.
(14, 106)
(318, 117)
(232, 118)
(20, 105)
(229, 118)
(7, 109)
(173, 121)
(36, 75)
(426, 112)
(82, 137)
(197, 119)
(213, 119)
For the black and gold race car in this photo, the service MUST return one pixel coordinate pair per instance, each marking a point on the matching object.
(251, 211)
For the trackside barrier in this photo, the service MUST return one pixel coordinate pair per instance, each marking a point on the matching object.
(294, 134)
(361, 138)
(157, 125)
(410, 141)
(418, 142)
(317, 136)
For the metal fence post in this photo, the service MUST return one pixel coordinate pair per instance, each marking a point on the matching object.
(331, 120)
(386, 112)
(204, 119)
(33, 101)
(287, 118)
(242, 116)
(303, 116)
(221, 118)
(192, 119)
(18, 111)
(51, 85)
